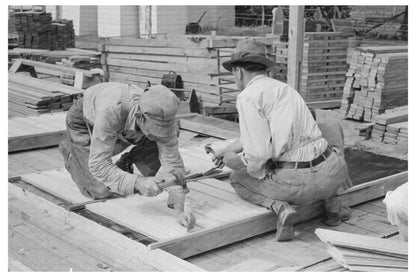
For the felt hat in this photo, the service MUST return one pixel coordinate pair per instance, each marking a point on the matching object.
(249, 51)
(159, 106)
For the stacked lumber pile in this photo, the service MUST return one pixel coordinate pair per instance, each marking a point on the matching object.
(33, 29)
(376, 81)
(37, 30)
(31, 96)
(63, 34)
(391, 127)
(365, 253)
(324, 65)
(197, 59)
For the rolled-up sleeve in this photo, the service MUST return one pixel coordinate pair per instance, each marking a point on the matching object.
(103, 139)
(255, 136)
(169, 156)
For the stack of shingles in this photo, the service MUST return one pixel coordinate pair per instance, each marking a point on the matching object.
(376, 81)
(391, 126)
(29, 96)
(365, 253)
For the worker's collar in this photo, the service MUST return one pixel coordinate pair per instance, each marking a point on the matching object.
(260, 76)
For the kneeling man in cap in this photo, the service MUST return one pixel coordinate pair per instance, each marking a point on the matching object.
(104, 122)
(286, 160)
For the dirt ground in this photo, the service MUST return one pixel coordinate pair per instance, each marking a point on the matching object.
(353, 140)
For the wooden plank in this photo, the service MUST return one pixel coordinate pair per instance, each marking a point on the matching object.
(36, 131)
(50, 68)
(295, 47)
(211, 126)
(92, 237)
(150, 51)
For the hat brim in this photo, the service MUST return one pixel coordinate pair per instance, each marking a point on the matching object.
(254, 59)
(161, 129)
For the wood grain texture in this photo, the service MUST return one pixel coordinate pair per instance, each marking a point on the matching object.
(116, 249)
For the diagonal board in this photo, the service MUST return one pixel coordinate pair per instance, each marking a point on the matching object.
(36, 131)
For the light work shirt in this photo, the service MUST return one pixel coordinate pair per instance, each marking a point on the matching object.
(109, 108)
(275, 123)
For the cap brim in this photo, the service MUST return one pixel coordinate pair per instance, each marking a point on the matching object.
(161, 129)
(254, 59)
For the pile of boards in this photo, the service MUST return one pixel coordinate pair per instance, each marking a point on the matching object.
(392, 127)
(376, 80)
(365, 253)
(31, 96)
(33, 29)
(37, 30)
(324, 64)
(197, 59)
(63, 34)
(74, 57)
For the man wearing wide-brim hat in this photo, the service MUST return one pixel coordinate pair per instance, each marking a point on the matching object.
(105, 121)
(284, 160)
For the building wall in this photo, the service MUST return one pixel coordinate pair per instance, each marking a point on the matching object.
(88, 21)
(129, 20)
(171, 19)
(72, 13)
(108, 21)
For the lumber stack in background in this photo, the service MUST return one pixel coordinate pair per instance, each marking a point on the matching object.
(33, 29)
(63, 34)
(197, 59)
(376, 80)
(324, 65)
(37, 30)
(32, 96)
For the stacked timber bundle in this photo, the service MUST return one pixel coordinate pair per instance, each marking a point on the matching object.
(391, 127)
(197, 59)
(33, 29)
(30, 96)
(376, 81)
(63, 32)
(324, 65)
(365, 253)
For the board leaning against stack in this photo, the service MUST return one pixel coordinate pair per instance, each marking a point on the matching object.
(376, 81)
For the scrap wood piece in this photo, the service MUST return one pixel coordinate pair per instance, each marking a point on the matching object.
(211, 126)
(91, 237)
(36, 131)
(364, 243)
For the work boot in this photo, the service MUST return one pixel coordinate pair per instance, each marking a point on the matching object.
(335, 219)
(285, 219)
(336, 213)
